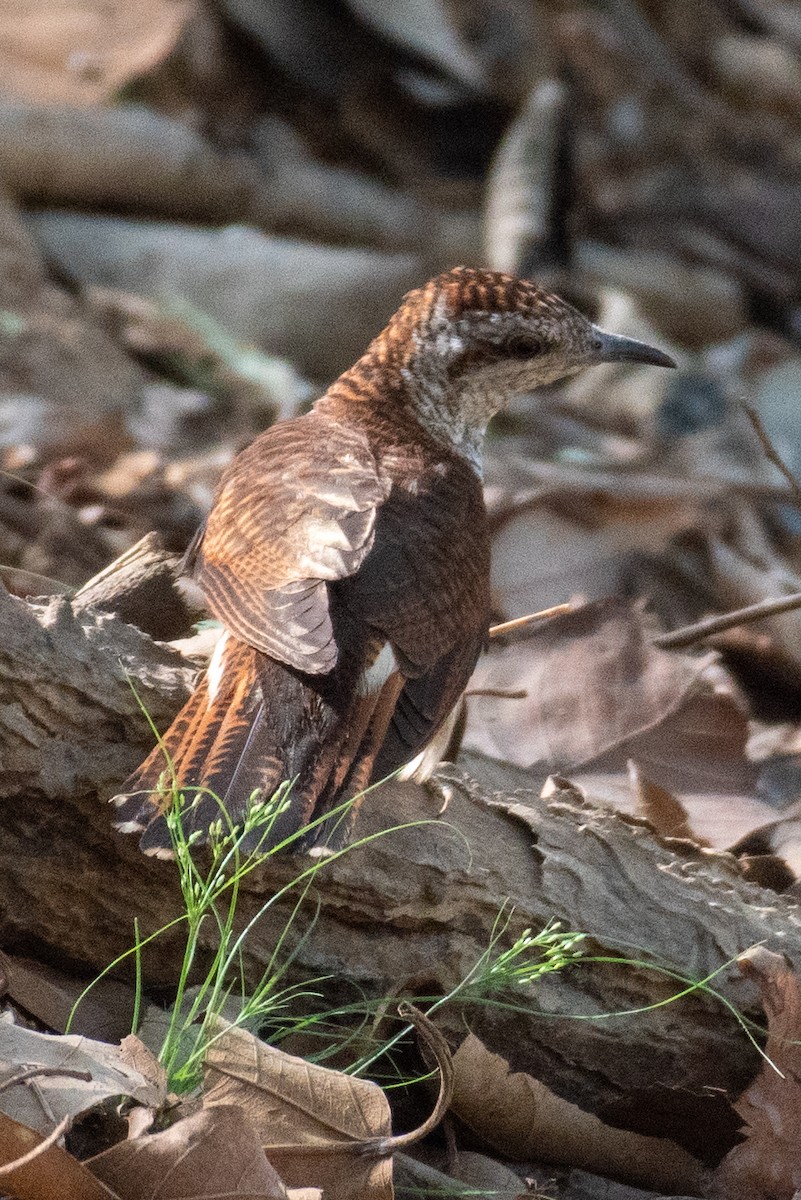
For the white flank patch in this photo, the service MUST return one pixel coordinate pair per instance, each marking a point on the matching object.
(376, 675)
(321, 852)
(216, 667)
(160, 852)
(409, 771)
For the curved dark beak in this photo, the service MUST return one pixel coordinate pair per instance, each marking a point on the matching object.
(614, 349)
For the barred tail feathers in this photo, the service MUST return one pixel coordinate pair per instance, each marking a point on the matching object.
(251, 725)
(218, 752)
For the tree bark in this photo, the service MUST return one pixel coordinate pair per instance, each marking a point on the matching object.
(412, 910)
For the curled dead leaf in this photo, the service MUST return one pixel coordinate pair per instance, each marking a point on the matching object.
(57, 1059)
(767, 1164)
(49, 1171)
(439, 1050)
(213, 1153)
(314, 1123)
(517, 1115)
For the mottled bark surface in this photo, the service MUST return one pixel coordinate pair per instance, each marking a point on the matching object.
(414, 908)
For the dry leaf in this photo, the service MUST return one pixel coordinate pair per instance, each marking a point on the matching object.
(583, 542)
(598, 693)
(51, 1175)
(592, 682)
(136, 1054)
(64, 1096)
(767, 1165)
(665, 811)
(779, 838)
(520, 1117)
(214, 1153)
(310, 1119)
(82, 51)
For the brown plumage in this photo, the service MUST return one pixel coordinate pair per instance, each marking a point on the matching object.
(346, 556)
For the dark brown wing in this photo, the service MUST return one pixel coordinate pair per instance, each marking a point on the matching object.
(425, 583)
(425, 587)
(424, 704)
(295, 509)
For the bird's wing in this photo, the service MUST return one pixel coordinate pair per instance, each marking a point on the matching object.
(425, 587)
(295, 510)
(425, 584)
(424, 704)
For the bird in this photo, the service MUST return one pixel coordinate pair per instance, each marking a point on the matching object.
(346, 556)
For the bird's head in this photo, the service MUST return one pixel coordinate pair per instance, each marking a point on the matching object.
(471, 338)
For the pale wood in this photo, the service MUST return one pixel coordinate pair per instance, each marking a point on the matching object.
(139, 587)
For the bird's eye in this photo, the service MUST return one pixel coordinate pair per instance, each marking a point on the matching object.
(524, 347)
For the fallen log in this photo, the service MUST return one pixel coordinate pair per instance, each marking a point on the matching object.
(411, 911)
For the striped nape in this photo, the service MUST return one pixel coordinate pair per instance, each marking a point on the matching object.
(458, 348)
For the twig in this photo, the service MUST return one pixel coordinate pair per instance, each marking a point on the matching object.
(679, 638)
(771, 453)
(551, 481)
(50, 1140)
(520, 622)
(435, 1043)
(38, 1072)
(499, 693)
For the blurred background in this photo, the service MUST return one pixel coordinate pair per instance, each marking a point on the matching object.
(208, 208)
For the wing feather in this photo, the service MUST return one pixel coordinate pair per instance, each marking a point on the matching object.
(425, 587)
(296, 510)
(425, 703)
